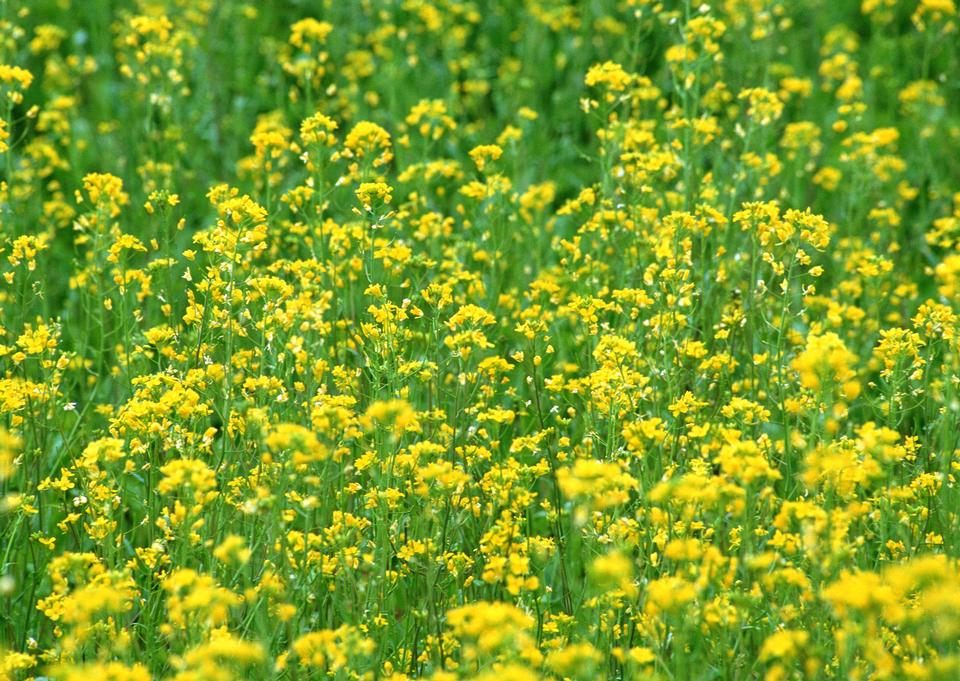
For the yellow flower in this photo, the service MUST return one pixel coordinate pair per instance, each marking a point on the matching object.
(824, 361)
(371, 194)
(485, 153)
(784, 644)
(609, 75)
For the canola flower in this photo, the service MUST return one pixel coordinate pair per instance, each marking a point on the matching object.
(481, 341)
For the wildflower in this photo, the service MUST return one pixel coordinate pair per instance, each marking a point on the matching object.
(826, 361)
(331, 650)
(374, 193)
(485, 153)
(763, 106)
(609, 75)
(601, 485)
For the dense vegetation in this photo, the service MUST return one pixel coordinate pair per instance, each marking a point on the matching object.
(502, 341)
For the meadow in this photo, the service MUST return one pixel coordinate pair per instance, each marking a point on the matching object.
(487, 340)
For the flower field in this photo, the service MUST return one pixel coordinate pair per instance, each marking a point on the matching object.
(486, 340)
